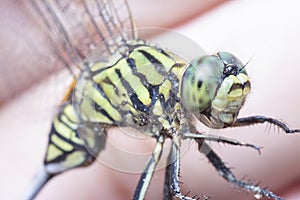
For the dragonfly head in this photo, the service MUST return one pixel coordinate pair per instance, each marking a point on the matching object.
(214, 88)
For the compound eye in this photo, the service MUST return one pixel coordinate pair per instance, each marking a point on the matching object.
(229, 59)
(200, 82)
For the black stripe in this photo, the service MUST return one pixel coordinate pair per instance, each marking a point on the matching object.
(130, 49)
(165, 53)
(109, 82)
(168, 106)
(133, 47)
(60, 158)
(151, 58)
(131, 63)
(172, 76)
(101, 91)
(152, 89)
(60, 119)
(247, 84)
(235, 86)
(94, 73)
(137, 104)
(154, 93)
(54, 132)
(98, 108)
(108, 67)
(76, 147)
(157, 64)
(68, 140)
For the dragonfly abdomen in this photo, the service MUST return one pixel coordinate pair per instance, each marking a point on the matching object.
(66, 150)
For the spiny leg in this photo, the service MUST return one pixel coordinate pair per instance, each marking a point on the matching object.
(246, 121)
(167, 191)
(226, 173)
(219, 139)
(146, 176)
(172, 187)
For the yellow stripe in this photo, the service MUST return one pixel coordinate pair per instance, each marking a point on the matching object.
(236, 93)
(165, 89)
(166, 61)
(145, 67)
(74, 159)
(99, 77)
(89, 113)
(244, 78)
(61, 143)
(118, 100)
(93, 94)
(179, 69)
(70, 112)
(113, 77)
(61, 128)
(135, 83)
(98, 66)
(66, 132)
(157, 110)
(115, 99)
(68, 122)
(52, 152)
(165, 123)
(109, 90)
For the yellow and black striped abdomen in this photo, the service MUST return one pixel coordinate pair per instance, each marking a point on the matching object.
(139, 88)
(65, 149)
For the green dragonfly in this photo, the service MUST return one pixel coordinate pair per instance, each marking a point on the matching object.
(121, 80)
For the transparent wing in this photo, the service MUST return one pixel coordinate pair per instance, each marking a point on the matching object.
(76, 27)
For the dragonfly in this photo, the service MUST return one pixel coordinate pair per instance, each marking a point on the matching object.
(121, 80)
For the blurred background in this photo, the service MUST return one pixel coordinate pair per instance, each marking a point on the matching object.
(31, 86)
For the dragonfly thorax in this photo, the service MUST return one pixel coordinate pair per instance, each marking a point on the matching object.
(139, 89)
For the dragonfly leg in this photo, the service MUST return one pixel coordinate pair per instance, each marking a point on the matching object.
(146, 176)
(246, 121)
(216, 138)
(168, 175)
(226, 173)
(172, 183)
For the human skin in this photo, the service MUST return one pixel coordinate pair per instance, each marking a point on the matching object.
(245, 28)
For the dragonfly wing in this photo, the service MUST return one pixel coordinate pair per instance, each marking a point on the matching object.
(76, 27)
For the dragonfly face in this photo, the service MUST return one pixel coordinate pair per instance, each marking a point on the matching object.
(215, 88)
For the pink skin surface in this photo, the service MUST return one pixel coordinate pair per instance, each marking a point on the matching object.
(267, 31)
